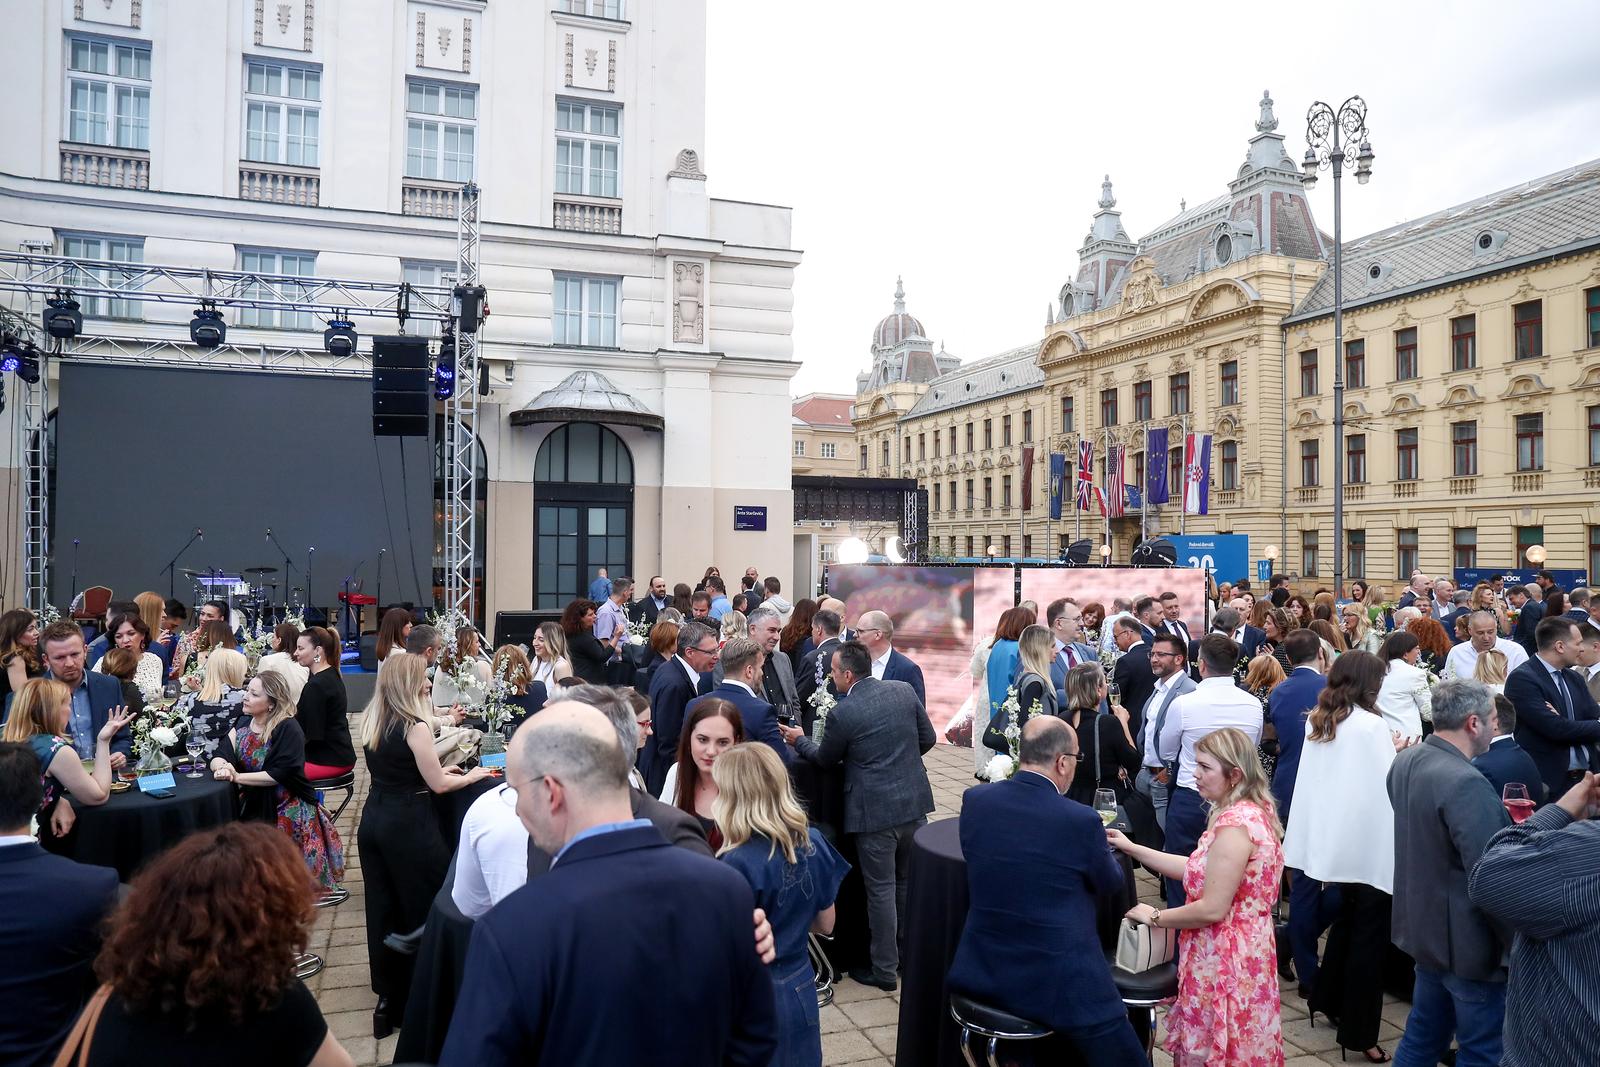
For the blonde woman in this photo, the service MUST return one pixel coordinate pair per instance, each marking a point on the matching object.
(550, 662)
(463, 675)
(733, 625)
(795, 874)
(1492, 669)
(404, 855)
(266, 757)
(215, 709)
(1483, 599)
(512, 667)
(1359, 633)
(41, 715)
(1226, 1012)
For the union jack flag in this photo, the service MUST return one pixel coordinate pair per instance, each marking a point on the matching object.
(1116, 487)
(1086, 486)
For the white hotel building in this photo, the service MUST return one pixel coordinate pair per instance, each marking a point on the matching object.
(329, 138)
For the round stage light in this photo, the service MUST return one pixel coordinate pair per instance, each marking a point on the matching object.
(853, 550)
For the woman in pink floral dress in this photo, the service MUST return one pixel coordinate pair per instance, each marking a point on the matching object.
(1226, 1013)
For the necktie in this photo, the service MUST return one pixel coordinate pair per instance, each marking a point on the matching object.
(1580, 753)
(1072, 657)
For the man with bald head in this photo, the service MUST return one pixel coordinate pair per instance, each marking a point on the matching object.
(1037, 954)
(545, 965)
(876, 631)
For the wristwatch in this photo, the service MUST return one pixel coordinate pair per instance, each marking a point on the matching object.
(1155, 917)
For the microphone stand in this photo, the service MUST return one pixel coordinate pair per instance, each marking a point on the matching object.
(288, 567)
(172, 584)
(378, 592)
(74, 594)
(352, 614)
(310, 603)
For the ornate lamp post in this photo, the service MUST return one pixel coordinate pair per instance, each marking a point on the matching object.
(1328, 134)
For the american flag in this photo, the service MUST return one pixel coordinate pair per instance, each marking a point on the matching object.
(1086, 486)
(1116, 489)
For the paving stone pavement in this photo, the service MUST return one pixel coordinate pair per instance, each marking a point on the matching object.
(858, 1028)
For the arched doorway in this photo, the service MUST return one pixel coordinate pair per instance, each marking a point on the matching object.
(583, 511)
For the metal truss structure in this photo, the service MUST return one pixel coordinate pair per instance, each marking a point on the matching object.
(461, 434)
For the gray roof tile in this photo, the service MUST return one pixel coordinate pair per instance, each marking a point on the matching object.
(1009, 372)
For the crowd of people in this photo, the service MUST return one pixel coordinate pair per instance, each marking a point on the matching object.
(731, 758)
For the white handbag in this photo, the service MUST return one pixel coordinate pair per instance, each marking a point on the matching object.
(1141, 946)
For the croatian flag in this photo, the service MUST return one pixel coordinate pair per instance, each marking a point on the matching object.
(1086, 486)
(1196, 473)
(1156, 465)
(1116, 485)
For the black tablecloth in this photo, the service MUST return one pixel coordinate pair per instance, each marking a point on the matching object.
(132, 827)
(936, 912)
(821, 793)
(436, 980)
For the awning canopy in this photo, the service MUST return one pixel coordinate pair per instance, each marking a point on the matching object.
(587, 396)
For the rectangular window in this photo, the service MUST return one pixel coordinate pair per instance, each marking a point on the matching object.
(1309, 543)
(1528, 322)
(988, 492)
(1405, 354)
(1005, 547)
(603, 9)
(971, 503)
(1355, 453)
(863, 458)
(1005, 431)
(1027, 545)
(1527, 537)
(586, 311)
(905, 453)
(108, 93)
(988, 433)
(1530, 442)
(799, 448)
(1464, 342)
(1108, 407)
(1229, 452)
(1178, 388)
(282, 117)
(1405, 454)
(1027, 427)
(952, 440)
(969, 437)
(432, 275)
(275, 271)
(1230, 382)
(441, 131)
(1464, 546)
(1005, 491)
(1594, 552)
(1310, 463)
(1308, 373)
(954, 504)
(969, 546)
(1355, 552)
(1591, 325)
(1406, 553)
(1143, 392)
(1175, 469)
(111, 249)
(1463, 449)
(1594, 457)
(936, 503)
(922, 446)
(1138, 468)
(830, 450)
(936, 444)
(1355, 364)
(1066, 414)
(884, 467)
(588, 148)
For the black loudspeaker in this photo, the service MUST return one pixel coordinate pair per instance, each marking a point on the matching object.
(401, 404)
(1156, 552)
(1078, 553)
(517, 627)
(369, 652)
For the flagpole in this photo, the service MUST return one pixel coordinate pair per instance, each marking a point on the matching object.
(1183, 511)
(1077, 512)
(1022, 511)
(1144, 500)
(1049, 514)
(1105, 505)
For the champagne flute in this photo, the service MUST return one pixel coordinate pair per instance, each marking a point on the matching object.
(1105, 802)
(195, 745)
(1516, 800)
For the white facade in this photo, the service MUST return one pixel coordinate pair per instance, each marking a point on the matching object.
(338, 131)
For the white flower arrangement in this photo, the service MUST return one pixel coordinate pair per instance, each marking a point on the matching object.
(1003, 766)
(257, 643)
(48, 614)
(497, 709)
(1108, 660)
(157, 729)
(824, 703)
(165, 736)
(638, 632)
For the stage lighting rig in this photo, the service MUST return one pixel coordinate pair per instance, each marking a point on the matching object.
(207, 329)
(340, 337)
(28, 366)
(469, 304)
(63, 317)
(10, 354)
(444, 372)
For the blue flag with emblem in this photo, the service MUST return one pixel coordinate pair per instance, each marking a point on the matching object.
(1155, 448)
(1058, 477)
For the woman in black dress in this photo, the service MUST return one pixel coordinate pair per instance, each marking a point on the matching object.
(714, 726)
(19, 651)
(324, 706)
(1110, 760)
(404, 854)
(587, 654)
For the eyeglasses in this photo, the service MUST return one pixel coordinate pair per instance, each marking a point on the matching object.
(1075, 757)
(508, 792)
(706, 651)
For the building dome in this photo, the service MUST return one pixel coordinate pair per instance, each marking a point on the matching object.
(895, 328)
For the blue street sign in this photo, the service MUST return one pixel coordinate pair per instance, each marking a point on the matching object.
(1227, 555)
(1263, 571)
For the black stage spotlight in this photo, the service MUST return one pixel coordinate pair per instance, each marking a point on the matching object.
(10, 354)
(469, 307)
(28, 365)
(1077, 554)
(340, 337)
(444, 374)
(62, 316)
(1156, 552)
(207, 329)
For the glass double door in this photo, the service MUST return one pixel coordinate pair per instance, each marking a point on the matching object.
(573, 540)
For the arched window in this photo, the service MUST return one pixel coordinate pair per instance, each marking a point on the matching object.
(583, 452)
(583, 511)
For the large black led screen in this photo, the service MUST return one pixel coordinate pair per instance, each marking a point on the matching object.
(144, 456)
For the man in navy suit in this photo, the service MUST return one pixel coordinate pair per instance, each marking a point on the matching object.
(1171, 618)
(1558, 721)
(1505, 761)
(1312, 908)
(741, 662)
(1037, 954)
(1529, 613)
(877, 633)
(573, 968)
(1132, 675)
(1065, 620)
(49, 947)
(672, 686)
(1147, 612)
(93, 695)
(816, 664)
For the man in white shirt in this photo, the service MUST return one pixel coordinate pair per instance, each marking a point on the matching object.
(1121, 608)
(1169, 661)
(492, 860)
(611, 620)
(1215, 704)
(876, 631)
(1483, 633)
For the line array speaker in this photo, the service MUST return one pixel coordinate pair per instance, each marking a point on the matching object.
(401, 403)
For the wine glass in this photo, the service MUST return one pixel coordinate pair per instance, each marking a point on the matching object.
(1518, 804)
(1105, 802)
(194, 745)
(171, 691)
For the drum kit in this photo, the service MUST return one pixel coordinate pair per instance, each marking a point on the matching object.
(255, 601)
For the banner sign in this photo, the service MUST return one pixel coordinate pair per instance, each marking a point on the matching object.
(1226, 555)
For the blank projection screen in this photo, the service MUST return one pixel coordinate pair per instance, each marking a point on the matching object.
(145, 455)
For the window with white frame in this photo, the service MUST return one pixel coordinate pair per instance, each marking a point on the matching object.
(588, 148)
(605, 9)
(108, 93)
(277, 271)
(111, 249)
(585, 311)
(830, 449)
(799, 448)
(441, 131)
(282, 113)
(423, 321)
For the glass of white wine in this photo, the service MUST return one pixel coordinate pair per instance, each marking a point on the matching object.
(1105, 802)
(194, 745)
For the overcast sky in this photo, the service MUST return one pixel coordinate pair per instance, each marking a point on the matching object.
(962, 145)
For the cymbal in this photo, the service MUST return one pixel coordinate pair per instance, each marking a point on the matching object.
(189, 572)
(261, 570)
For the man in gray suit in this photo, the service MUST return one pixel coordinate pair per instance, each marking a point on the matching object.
(1169, 662)
(777, 673)
(879, 731)
(1445, 812)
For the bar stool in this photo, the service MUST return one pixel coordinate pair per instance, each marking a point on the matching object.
(347, 781)
(823, 967)
(1142, 993)
(307, 964)
(992, 1023)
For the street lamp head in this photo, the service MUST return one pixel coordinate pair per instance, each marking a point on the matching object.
(1271, 552)
(1536, 555)
(1364, 159)
(1309, 167)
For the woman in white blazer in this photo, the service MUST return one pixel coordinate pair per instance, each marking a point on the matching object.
(1405, 701)
(1341, 831)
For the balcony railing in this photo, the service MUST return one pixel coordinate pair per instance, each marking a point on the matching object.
(1591, 478)
(280, 185)
(1527, 483)
(1463, 486)
(119, 168)
(587, 214)
(1354, 493)
(1227, 498)
(1403, 490)
(422, 196)
(1308, 494)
